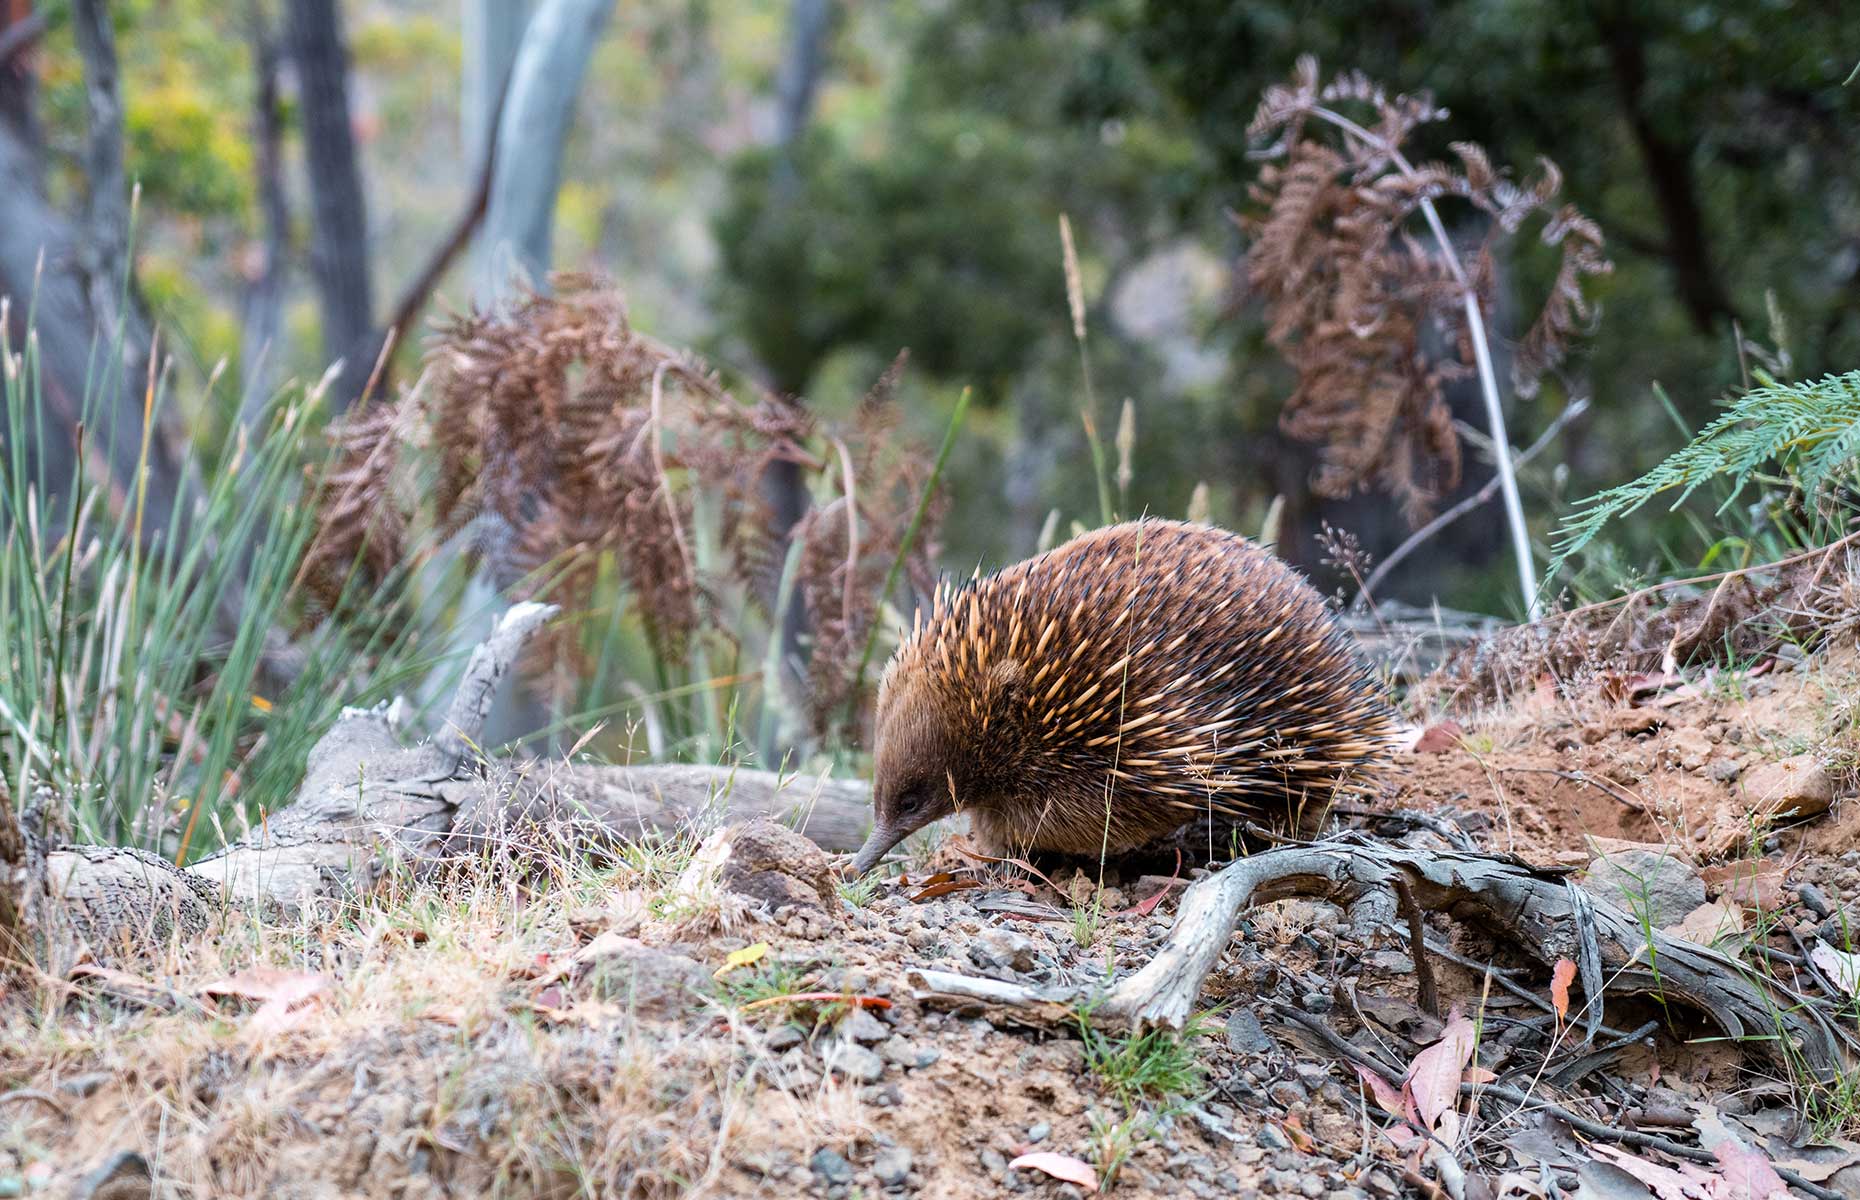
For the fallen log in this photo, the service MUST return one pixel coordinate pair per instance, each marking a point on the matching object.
(370, 804)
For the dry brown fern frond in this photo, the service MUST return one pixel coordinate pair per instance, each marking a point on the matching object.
(361, 533)
(565, 446)
(1357, 302)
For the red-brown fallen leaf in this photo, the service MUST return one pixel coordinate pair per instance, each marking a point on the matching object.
(1293, 1127)
(1560, 979)
(1748, 1172)
(1059, 1166)
(1386, 1095)
(945, 888)
(1148, 906)
(851, 998)
(1438, 739)
(1434, 1076)
(1753, 885)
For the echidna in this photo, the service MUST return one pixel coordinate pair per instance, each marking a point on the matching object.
(1109, 690)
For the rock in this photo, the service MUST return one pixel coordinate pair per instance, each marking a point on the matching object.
(1245, 1035)
(1006, 950)
(861, 1026)
(892, 1165)
(1814, 900)
(1754, 885)
(831, 1166)
(852, 1061)
(1690, 748)
(907, 1053)
(1039, 1132)
(1272, 1137)
(784, 1036)
(124, 1176)
(770, 862)
(1656, 887)
(1724, 770)
(995, 1163)
(642, 978)
(1799, 787)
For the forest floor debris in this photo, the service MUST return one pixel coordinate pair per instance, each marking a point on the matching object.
(727, 1019)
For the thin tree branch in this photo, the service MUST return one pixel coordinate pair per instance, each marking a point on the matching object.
(1574, 409)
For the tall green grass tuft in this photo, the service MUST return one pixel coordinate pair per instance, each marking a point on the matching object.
(151, 676)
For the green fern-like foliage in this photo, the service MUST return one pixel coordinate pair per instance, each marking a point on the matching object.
(1811, 431)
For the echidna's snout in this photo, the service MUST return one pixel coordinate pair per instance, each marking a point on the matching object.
(879, 844)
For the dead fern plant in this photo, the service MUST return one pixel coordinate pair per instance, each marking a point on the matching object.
(1372, 303)
(565, 446)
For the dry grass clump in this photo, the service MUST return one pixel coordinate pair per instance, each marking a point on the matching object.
(441, 1038)
(1733, 618)
(561, 444)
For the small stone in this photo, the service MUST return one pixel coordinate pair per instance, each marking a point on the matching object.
(784, 1036)
(1724, 770)
(1799, 787)
(862, 1026)
(86, 1085)
(850, 1060)
(1316, 1003)
(1814, 900)
(995, 1163)
(1286, 1093)
(1245, 1035)
(1311, 1187)
(1689, 747)
(1271, 1137)
(643, 979)
(1005, 949)
(831, 1166)
(1654, 886)
(892, 1165)
(1039, 1132)
(907, 1053)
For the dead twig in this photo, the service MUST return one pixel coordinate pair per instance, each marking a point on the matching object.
(1426, 994)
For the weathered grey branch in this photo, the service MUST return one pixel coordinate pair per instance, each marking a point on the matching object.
(367, 803)
(1529, 908)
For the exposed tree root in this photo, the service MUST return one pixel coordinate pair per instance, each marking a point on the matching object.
(1539, 912)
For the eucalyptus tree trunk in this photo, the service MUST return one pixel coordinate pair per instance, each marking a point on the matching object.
(264, 300)
(797, 83)
(338, 207)
(491, 33)
(515, 244)
(92, 341)
(517, 241)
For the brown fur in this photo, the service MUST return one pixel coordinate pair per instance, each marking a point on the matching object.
(1104, 693)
